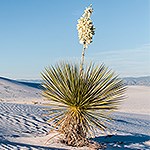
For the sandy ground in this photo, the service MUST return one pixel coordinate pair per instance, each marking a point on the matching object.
(23, 126)
(137, 100)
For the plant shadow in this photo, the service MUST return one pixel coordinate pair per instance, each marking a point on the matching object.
(126, 142)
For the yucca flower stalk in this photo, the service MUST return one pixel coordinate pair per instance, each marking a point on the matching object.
(86, 30)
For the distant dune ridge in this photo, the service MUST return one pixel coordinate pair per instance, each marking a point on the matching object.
(145, 81)
(30, 83)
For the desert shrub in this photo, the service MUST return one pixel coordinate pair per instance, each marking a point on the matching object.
(80, 104)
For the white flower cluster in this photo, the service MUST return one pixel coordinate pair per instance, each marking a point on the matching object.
(85, 27)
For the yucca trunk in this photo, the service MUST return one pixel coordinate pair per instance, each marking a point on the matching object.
(74, 134)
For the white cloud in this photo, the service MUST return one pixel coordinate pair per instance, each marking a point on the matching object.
(127, 62)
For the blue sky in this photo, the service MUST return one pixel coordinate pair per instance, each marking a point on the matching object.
(37, 33)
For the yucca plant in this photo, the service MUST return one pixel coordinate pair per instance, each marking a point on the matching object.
(81, 97)
(80, 103)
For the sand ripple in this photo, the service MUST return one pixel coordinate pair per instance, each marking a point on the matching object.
(20, 122)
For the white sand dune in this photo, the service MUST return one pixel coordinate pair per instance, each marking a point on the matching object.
(14, 91)
(23, 126)
(137, 100)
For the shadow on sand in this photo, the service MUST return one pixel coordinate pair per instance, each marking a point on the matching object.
(113, 142)
(126, 142)
(30, 84)
(7, 144)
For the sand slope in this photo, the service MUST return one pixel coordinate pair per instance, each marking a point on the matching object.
(15, 91)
